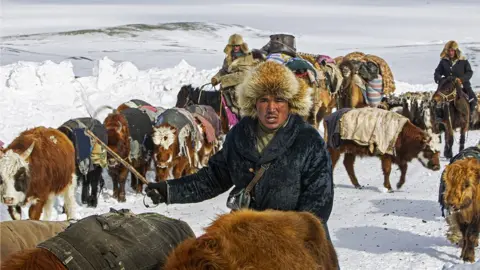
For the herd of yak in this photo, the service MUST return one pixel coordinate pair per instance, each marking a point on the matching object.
(42, 163)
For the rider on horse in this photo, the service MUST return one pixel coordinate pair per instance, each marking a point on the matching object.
(455, 65)
(237, 61)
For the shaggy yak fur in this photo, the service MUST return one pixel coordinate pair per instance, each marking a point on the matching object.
(248, 239)
(412, 142)
(37, 166)
(462, 197)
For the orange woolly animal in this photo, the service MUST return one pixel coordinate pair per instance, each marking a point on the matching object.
(36, 167)
(462, 196)
(248, 239)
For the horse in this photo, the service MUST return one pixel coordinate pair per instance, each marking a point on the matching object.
(452, 109)
(188, 95)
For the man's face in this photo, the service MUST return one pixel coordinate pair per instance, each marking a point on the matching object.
(236, 48)
(451, 53)
(272, 111)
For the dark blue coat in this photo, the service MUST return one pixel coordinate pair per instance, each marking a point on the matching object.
(299, 177)
(461, 69)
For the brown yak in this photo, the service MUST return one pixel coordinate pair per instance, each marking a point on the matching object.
(462, 196)
(35, 168)
(410, 142)
(248, 239)
(128, 134)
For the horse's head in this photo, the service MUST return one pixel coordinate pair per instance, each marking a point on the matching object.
(118, 133)
(446, 90)
(461, 182)
(165, 139)
(185, 96)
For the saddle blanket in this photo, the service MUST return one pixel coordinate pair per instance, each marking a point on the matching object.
(140, 127)
(209, 119)
(376, 128)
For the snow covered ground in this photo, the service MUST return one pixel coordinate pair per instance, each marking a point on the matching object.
(369, 228)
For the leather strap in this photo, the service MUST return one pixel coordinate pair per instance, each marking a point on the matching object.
(257, 177)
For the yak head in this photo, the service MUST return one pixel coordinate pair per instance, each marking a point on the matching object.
(166, 141)
(429, 156)
(118, 136)
(14, 176)
(461, 184)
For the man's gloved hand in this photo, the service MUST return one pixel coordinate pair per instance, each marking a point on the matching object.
(214, 81)
(157, 192)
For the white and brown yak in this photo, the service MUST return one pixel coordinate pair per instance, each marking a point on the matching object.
(37, 166)
(177, 139)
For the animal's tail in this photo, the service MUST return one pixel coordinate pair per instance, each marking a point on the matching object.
(89, 106)
(101, 108)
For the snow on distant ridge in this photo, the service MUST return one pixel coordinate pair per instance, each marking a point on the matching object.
(47, 93)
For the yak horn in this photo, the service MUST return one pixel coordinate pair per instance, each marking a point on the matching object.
(27, 152)
(119, 129)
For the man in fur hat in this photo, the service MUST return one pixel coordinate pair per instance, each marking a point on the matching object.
(454, 64)
(238, 59)
(272, 138)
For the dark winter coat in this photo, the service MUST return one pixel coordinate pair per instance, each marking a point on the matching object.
(461, 69)
(299, 177)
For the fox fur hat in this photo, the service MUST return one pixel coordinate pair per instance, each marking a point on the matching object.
(452, 44)
(272, 78)
(236, 39)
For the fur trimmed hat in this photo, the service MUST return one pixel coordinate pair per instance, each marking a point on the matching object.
(452, 44)
(235, 39)
(272, 78)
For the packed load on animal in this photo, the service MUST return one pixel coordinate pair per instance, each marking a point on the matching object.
(91, 156)
(377, 129)
(371, 67)
(147, 108)
(206, 119)
(376, 132)
(88, 151)
(118, 239)
(18, 235)
(327, 70)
